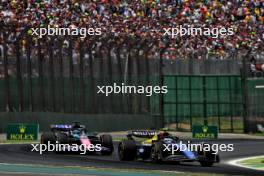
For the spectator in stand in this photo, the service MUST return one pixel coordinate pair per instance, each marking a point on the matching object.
(256, 69)
(145, 19)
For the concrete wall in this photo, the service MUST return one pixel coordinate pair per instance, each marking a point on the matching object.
(99, 123)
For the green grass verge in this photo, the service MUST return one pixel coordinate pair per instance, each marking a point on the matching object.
(257, 163)
(16, 141)
(258, 134)
(253, 161)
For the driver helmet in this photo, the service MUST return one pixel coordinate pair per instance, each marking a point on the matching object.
(163, 134)
(76, 133)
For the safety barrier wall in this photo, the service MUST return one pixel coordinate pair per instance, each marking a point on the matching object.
(93, 122)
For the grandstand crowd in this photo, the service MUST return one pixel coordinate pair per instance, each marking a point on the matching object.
(146, 19)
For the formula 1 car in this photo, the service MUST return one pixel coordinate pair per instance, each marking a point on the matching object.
(154, 145)
(76, 134)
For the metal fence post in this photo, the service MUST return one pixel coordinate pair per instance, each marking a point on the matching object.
(29, 69)
(204, 101)
(190, 99)
(82, 85)
(41, 79)
(161, 82)
(231, 103)
(138, 97)
(19, 77)
(72, 90)
(6, 74)
(101, 104)
(110, 72)
(93, 101)
(218, 103)
(245, 95)
(51, 73)
(61, 67)
(147, 74)
(176, 103)
(120, 73)
(129, 80)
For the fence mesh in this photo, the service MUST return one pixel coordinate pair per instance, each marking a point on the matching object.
(196, 100)
(61, 74)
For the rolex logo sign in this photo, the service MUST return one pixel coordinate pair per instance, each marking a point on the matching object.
(205, 129)
(18, 131)
(22, 129)
(205, 132)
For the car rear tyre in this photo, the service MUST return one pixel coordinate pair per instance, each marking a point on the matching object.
(156, 152)
(206, 163)
(127, 150)
(107, 142)
(208, 158)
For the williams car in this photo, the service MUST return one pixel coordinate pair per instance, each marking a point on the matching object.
(156, 146)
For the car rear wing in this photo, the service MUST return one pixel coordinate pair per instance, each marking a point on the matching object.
(62, 127)
(143, 133)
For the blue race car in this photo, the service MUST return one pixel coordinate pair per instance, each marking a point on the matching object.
(159, 146)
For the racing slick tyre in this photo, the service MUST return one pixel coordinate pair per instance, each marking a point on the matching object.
(206, 163)
(107, 141)
(127, 150)
(156, 152)
(208, 158)
(48, 137)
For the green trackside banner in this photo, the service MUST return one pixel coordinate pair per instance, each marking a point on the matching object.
(22, 131)
(205, 132)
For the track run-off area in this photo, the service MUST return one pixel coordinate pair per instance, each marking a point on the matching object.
(19, 159)
(256, 163)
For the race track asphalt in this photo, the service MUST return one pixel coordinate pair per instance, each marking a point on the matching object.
(21, 154)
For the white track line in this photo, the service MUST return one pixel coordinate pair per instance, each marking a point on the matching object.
(237, 161)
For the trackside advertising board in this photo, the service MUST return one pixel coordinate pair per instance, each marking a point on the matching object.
(205, 132)
(21, 131)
